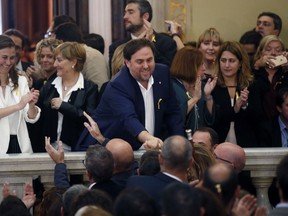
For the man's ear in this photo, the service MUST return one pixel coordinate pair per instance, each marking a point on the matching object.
(160, 159)
(127, 63)
(146, 16)
(279, 109)
(276, 32)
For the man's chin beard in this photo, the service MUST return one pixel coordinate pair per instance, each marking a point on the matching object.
(133, 28)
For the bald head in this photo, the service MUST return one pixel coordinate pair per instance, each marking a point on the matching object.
(122, 153)
(230, 153)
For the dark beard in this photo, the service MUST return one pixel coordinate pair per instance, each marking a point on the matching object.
(134, 28)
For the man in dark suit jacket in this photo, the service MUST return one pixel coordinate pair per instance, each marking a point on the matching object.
(174, 159)
(282, 180)
(138, 102)
(275, 132)
(99, 165)
(137, 18)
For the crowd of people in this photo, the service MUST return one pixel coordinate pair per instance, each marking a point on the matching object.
(200, 104)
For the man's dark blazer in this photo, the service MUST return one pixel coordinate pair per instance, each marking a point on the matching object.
(269, 134)
(153, 185)
(110, 187)
(121, 111)
(165, 48)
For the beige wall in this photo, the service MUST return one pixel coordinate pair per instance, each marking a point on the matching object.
(231, 17)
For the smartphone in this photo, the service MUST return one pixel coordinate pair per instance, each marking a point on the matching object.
(280, 60)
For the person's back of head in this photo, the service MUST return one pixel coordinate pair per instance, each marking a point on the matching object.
(58, 20)
(282, 179)
(230, 154)
(95, 41)
(70, 195)
(69, 32)
(149, 163)
(223, 181)
(123, 154)
(135, 202)
(99, 163)
(52, 202)
(210, 203)
(92, 197)
(179, 199)
(176, 154)
(13, 206)
(91, 210)
(203, 159)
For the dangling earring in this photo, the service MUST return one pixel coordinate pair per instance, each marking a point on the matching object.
(72, 66)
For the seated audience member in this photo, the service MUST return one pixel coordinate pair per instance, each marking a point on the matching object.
(268, 23)
(282, 184)
(149, 163)
(187, 70)
(179, 199)
(19, 39)
(95, 41)
(12, 206)
(69, 196)
(209, 43)
(174, 159)
(210, 203)
(132, 107)
(123, 156)
(207, 137)
(203, 159)
(95, 67)
(250, 41)
(223, 181)
(275, 133)
(99, 165)
(91, 210)
(138, 24)
(270, 78)
(66, 98)
(93, 197)
(17, 103)
(234, 118)
(135, 202)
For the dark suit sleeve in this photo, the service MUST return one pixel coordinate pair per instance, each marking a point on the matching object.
(61, 176)
(123, 106)
(165, 49)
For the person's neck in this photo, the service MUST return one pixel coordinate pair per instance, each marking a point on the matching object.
(71, 80)
(4, 79)
(49, 73)
(210, 67)
(138, 33)
(179, 174)
(230, 81)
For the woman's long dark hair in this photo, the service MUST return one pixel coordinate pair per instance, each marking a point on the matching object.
(7, 42)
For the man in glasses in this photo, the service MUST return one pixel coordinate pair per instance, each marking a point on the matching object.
(268, 23)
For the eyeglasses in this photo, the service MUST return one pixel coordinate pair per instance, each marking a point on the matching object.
(224, 160)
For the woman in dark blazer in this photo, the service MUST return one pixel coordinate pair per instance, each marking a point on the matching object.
(235, 109)
(64, 100)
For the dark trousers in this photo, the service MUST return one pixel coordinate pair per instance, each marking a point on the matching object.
(13, 145)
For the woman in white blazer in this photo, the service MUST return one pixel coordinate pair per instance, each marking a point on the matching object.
(17, 103)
